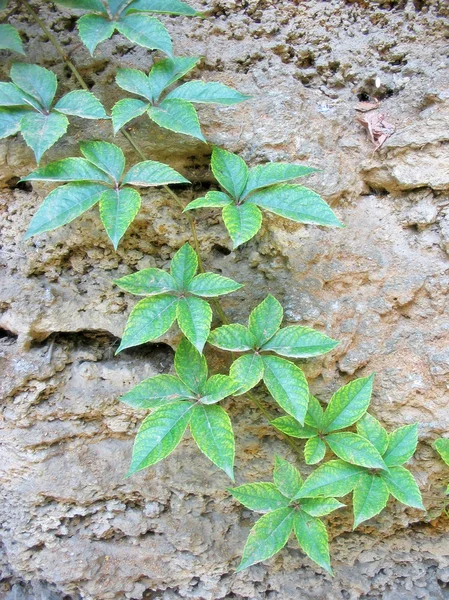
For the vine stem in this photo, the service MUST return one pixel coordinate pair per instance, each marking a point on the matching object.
(216, 303)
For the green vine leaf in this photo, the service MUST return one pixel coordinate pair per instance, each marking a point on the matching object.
(312, 537)
(94, 29)
(265, 320)
(314, 450)
(211, 285)
(107, 157)
(41, 132)
(270, 174)
(148, 282)
(401, 445)
(168, 7)
(10, 119)
(403, 487)
(118, 209)
(194, 319)
(300, 342)
(183, 266)
(247, 371)
(242, 222)
(335, 478)
(191, 366)
(207, 93)
(35, 81)
(69, 169)
(157, 391)
(145, 31)
(355, 449)
(81, 103)
(151, 173)
(178, 116)
(288, 386)
(292, 428)
(165, 72)
(370, 497)
(234, 337)
(260, 497)
(210, 200)
(126, 110)
(230, 171)
(319, 507)
(286, 477)
(372, 430)
(348, 404)
(217, 388)
(10, 39)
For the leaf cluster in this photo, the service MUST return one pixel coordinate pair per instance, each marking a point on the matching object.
(442, 447)
(246, 191)
(26, 105)
(131, 18)
(177, 402)
(173, 110)
(175, 296)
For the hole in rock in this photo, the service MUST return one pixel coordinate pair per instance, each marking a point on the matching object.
(219, 249)
(4, 333)
(15, 184)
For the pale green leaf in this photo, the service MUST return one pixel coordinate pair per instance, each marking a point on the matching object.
(286, 477)
(230, 171)
(63, 205)
(217, 388)
(95, 5)
(40, 131)
(288, 386)
(157, 391)
(149, 319)
(372, 430)
(315, 414)
(10, 120)
(348, 404)
(207, 93)
(148, 282)
(116, 6)
(194, 318)
(68, 169)
(210, 285)
(151, 173)
(210, 200)
(35, 81)
(10, 39)
(81, 103)
(168, 7)
(401, 445)
(178, 116)
(126, 110)
(402, 486)
(300, 342)
(145, 31)
(335, 478)
(107, 157)
(291, 427)
(319, 507)
(370, 497)
(260, 497)
(212, 430)
(94, 29)
(442, 447)
(3, 4)
(265, 319)
(134, 81)
(118, 209)
(167, 71)
(273, 173)
(296, 203)
(247, 371)
(355, 449)
(159, 434)
(191, 366)
(234, 337)
(11, 95)
(183, 266)
(314, 450)
(242, 222)
(267, 537)
(312, 536)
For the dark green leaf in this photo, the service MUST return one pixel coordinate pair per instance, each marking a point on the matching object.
(10, 120)
(288, 386)
(296, 203)
(40, 131)
(217, 388)
(118, 209)
(10, 39)
(134, 81)
(157, 391)
(148, 282)
(63, 205)
(260, 497)
(291, 427)
(370, 497)
(267, 537)
(194, 318)
(81, 103)
(69, 169)
(191, 366)
(234, 337)
(210, 200)
(11, 95)
(145, 31)
(159, 434)
(107, 157)
(151, 173)
(311, 534)
(167, 71)
(210, 285)
(286, 477)
(319, 507)
(230, 171)
(212, 430)
(125, 110)
(207, 93)
(314, 450)
(442, 447)
(242, 222)
(149, 319)
(265, 319)
(401, 445)
(178, 116)
(300, 342)
(247, 371)
(315, 414)
(372, 430)
(355, 449)
(348, 404)
(94, 29)
(183, 266)
(273, 173)
(95, 5)
(403, 487)
(335, 478)
(169, 7)
(35, 81)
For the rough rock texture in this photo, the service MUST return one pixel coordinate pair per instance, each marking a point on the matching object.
(72, 527)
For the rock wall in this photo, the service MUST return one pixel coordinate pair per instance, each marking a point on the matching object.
(72, 527)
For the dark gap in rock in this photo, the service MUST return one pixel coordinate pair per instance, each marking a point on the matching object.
(160, 353)
(4, 333)
(15, 184)
(219, 249)
(377, 191)
(444, 585)
(363, 97)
